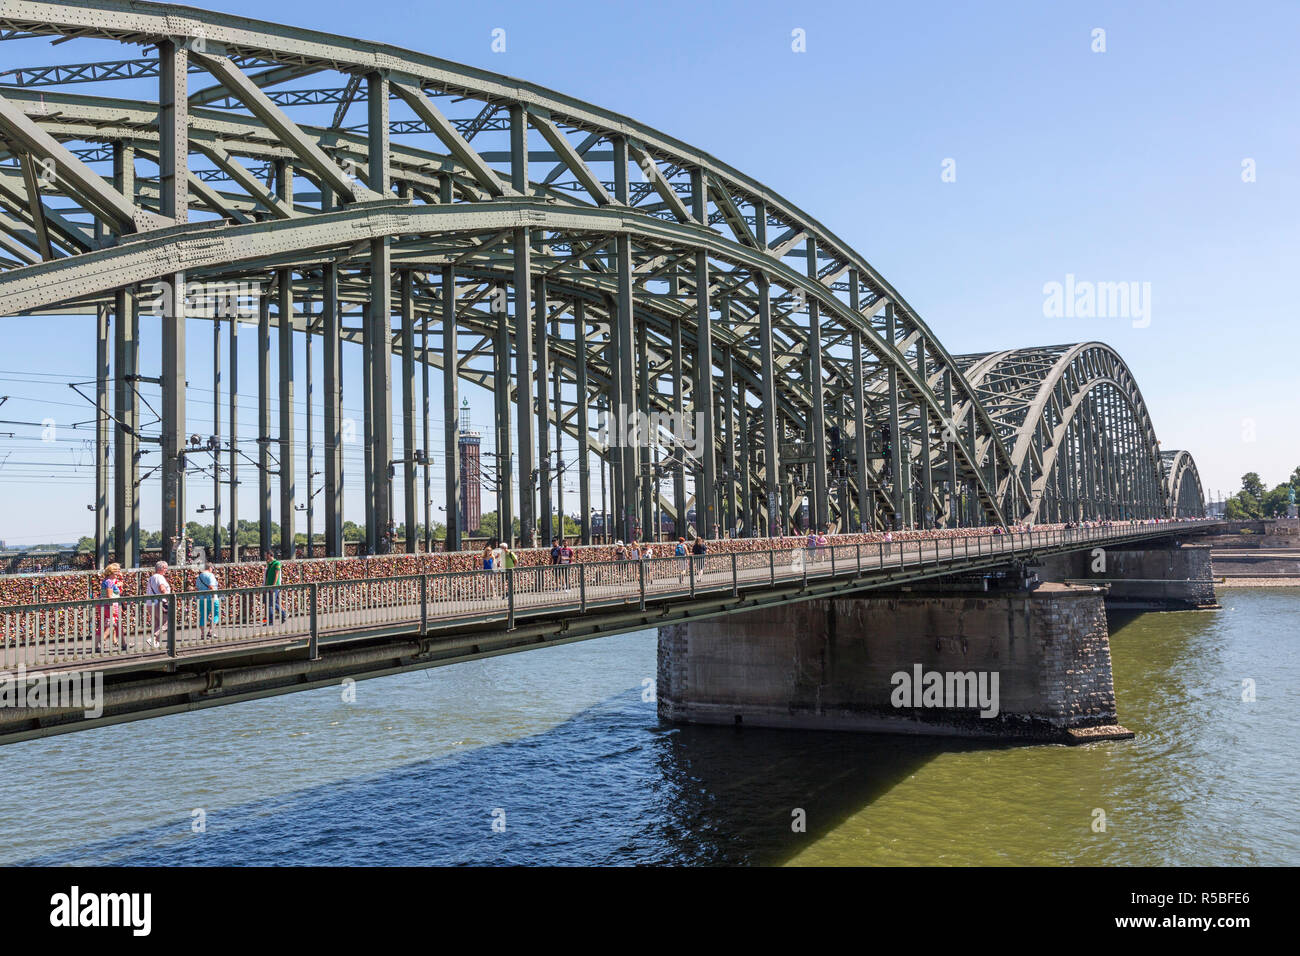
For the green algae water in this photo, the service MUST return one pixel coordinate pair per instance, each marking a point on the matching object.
(564, 748)
(1210, 779)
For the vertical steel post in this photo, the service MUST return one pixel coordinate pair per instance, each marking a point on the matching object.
(895, 431)
(818, 513)
(523, 333)
(451, 399)
(173, 186)
(501, 396)
(232, 461)
(949, 437)
(408, 410)
(333, 370)
(707, 513)
(729, 438)
(743, 462)
(102, 423)
(543, 411)
(264, 423)
(623, 404)
(649, 485)
(380, 317)
(584, 438)
(866, 519)
(523, 379)
(558, 405)
(126, 343)
(288, 487)
(678, 448)
(426, 473)
(284, 173)
(926, 516)
(308, 326)
(216, 433)
(767, 384)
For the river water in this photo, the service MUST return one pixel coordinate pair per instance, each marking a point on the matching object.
(557, 757)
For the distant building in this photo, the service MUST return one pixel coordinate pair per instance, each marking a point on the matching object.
(471, 482)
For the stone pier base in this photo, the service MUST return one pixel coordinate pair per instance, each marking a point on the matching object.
(1158, 578)
(871, 664)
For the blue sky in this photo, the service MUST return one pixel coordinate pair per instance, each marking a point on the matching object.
(1117, 166)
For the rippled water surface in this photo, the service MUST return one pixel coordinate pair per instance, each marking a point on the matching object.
(560, 745)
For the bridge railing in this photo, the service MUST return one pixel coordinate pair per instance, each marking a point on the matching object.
(126, 628)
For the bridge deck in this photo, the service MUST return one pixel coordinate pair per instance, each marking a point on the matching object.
(117, 635)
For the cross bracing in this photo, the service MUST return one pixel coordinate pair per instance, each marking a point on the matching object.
(565, 257)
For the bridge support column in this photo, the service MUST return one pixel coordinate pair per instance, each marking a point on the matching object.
(1161, 577)
(1025, 666)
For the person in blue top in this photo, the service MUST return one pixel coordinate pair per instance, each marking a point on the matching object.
(209, 605)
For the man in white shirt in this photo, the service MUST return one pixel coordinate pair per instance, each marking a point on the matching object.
(158, 585)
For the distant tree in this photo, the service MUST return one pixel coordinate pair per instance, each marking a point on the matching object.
(489, 527)
(1243, 506)
(1252, 485)
(1277, 501)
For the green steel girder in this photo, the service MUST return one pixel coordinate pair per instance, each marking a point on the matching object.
(458, 208)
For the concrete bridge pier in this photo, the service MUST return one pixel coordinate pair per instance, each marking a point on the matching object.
(1030, 666)
(1156, 577)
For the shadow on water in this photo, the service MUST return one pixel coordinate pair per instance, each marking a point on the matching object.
(735, 793)
(612, 785)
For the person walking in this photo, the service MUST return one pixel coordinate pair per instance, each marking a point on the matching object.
(680, 553)
(110, 615)
(209, 604)
(822, 545)
(699, 550)
(507, 562)
(491, 562)
(159, 586)
(274, 578)
(564, 559)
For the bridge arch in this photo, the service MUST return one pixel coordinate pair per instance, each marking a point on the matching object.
(1078, 429)
(571, 260)
(1182, 484)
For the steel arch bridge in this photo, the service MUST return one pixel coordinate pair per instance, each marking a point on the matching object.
(619, 291)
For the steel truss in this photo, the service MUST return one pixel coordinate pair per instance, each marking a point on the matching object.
(1182, 484)
(565, 257)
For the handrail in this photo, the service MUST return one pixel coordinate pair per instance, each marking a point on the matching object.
(58, 632)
